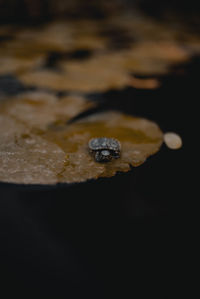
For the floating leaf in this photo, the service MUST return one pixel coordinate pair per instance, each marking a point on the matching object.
(148, 83)
(11, 64)
(83, 77)
(59, 153)
(110, 70)
(39, 109)
(152, 49)
(26, 158)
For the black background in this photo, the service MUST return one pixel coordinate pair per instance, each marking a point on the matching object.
(117, 236)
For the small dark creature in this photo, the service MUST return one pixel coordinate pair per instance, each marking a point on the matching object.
(105, 149)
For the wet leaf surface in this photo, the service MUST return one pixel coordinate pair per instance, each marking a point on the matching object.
(37, 147)
(27, 158)
(144, 83)
(40, 109)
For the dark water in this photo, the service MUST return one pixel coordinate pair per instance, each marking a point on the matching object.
(112, 236)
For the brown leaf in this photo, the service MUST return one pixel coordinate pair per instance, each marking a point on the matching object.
(150, 83)
(60, 153)
(39, 109)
